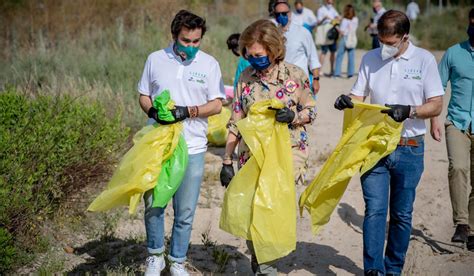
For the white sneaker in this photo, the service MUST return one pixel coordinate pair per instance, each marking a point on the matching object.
(178, 269)
(154, 265)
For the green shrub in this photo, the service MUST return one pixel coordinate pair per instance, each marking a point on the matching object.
(439, 31)
(7, 250)
(50, 148)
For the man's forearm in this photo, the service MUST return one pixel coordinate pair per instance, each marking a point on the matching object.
(145, 103)
(210, 108)
(431, 108)
(357, 98)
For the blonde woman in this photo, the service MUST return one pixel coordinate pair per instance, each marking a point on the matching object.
(263, 45)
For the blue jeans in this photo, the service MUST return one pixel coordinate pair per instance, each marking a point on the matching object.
(184, 204)
(340, 55)
(392, 182)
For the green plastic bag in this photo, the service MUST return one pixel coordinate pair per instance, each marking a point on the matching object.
(164, 104)
(172, 173)
(174, 168)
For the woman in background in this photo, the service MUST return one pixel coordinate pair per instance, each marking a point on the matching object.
(348, 41)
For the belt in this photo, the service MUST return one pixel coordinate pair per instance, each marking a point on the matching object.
(411, 141)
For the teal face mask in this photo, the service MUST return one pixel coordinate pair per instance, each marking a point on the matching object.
(190, 51)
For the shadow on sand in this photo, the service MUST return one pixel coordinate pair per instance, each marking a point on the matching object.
(322, 257)
(349, 215)
(128, 256)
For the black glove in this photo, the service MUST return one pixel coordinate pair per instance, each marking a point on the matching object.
(179, 113)
(398, 112)
(343, 102)
(227, 172)
(284, 115)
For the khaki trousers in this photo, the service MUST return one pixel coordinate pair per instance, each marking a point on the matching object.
(460, 147)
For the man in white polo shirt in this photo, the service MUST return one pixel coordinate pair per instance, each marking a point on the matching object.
(406, 79)
(195, 84)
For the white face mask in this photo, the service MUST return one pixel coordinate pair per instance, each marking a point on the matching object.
(389, 51)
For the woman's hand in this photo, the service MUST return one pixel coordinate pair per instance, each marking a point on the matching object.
(227, 173)
(285, 115)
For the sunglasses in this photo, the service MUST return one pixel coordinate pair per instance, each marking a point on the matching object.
(281, 13)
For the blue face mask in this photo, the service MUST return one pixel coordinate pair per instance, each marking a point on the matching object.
(282, 19)
(259, 63)
(299, 11)
(190, 51)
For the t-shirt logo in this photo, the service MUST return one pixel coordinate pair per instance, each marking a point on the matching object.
(197, 77)
(412, 74)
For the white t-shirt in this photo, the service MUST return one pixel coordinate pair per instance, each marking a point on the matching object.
(190, 83)
(349, 25)
(329, 11)
(410, 79)
(306, 17)
(300, 48)
(413, 10)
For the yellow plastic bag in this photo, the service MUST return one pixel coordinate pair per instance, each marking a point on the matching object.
(259, 203)
(368, 137)
(140, 168)
(217, 128)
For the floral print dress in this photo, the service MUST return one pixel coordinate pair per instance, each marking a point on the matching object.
(289, 84)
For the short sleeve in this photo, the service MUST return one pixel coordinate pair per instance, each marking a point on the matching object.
(361, 86)
(444, 69)
(345, 26)
(144, 86)
(432, 86)
(215, 83)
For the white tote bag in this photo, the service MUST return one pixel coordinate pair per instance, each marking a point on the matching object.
(351, 39)
(322, 35)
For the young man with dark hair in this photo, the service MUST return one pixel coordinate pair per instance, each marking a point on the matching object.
(405, 78)
(195, 84)
(457, 66)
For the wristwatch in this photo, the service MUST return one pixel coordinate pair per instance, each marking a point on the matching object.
(413, 113)
(316, 78)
